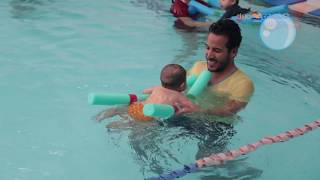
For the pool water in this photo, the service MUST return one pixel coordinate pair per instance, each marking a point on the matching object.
(54, 52)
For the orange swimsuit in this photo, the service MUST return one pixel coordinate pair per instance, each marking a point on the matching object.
(135, 110)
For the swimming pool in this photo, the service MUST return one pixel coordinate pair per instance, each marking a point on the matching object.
(55, 52)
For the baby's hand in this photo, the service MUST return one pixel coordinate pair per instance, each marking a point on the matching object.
(241, 16)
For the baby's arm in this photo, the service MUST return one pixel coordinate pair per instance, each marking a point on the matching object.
(148, 91)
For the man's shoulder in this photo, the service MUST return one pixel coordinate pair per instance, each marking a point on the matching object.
(242, 87)
(243, 77)
(197, 68)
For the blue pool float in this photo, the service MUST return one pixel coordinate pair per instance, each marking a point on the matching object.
(121, 98)
(281, 9)
(114, 98)
(200, 84)
(195, 7)
(214, 3)
(280, 2)
(153, 110)
(265, 13)
(158, 110)
(190, 80)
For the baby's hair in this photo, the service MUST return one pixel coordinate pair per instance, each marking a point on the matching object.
(173, 76)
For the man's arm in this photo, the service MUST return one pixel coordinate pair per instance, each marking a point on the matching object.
(230, 108)
(240, 93)
(186, 106)
(192, 23)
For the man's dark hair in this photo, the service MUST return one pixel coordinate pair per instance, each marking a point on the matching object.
(172, 76)
(230, 29)
(237, 1)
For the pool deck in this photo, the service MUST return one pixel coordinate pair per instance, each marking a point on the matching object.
(307, 7)
(310, 7)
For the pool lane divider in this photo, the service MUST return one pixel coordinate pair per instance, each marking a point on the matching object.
(220, 158)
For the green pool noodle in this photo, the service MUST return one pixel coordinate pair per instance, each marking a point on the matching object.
(200, 84)
(158, 110)
(112, 98)
(190, 80)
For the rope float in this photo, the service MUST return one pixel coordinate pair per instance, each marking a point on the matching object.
(220, 158)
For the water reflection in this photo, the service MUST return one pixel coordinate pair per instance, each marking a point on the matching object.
(191, 42)
(237, 169)
(282, 70)
(156, 6)
(308, 19)
(192, 39)
(160, 145)
(25, 8)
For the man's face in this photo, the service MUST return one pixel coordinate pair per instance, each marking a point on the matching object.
(226, 3)
(217, 54)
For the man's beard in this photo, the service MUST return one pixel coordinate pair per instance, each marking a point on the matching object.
(223, 64)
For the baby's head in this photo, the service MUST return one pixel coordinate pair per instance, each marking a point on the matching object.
(225, 4)
(173, 76)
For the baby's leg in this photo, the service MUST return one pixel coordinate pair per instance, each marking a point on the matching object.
(122, 124)
(109, 113)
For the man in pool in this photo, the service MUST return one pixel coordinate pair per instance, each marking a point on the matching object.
(223, 41)
(179, 9)
(173, 83)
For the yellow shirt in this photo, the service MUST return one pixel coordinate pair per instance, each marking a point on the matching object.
(237, 87)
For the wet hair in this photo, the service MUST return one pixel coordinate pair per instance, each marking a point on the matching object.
(173, 76)
(237, 1)
(230, 29)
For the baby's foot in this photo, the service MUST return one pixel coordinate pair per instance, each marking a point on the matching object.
(120, 125)
(108, 113)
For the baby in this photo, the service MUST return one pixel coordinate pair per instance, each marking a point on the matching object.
(185, 20)
(173, 83)
(232, 8)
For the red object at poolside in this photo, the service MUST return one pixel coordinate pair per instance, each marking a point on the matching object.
(180, 9)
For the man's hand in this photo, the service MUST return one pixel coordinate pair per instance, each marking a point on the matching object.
(184, 108)
(229, 109)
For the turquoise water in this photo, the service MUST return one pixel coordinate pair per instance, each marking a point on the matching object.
(54, 52)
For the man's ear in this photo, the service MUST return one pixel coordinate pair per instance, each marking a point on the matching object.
(234, 52)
